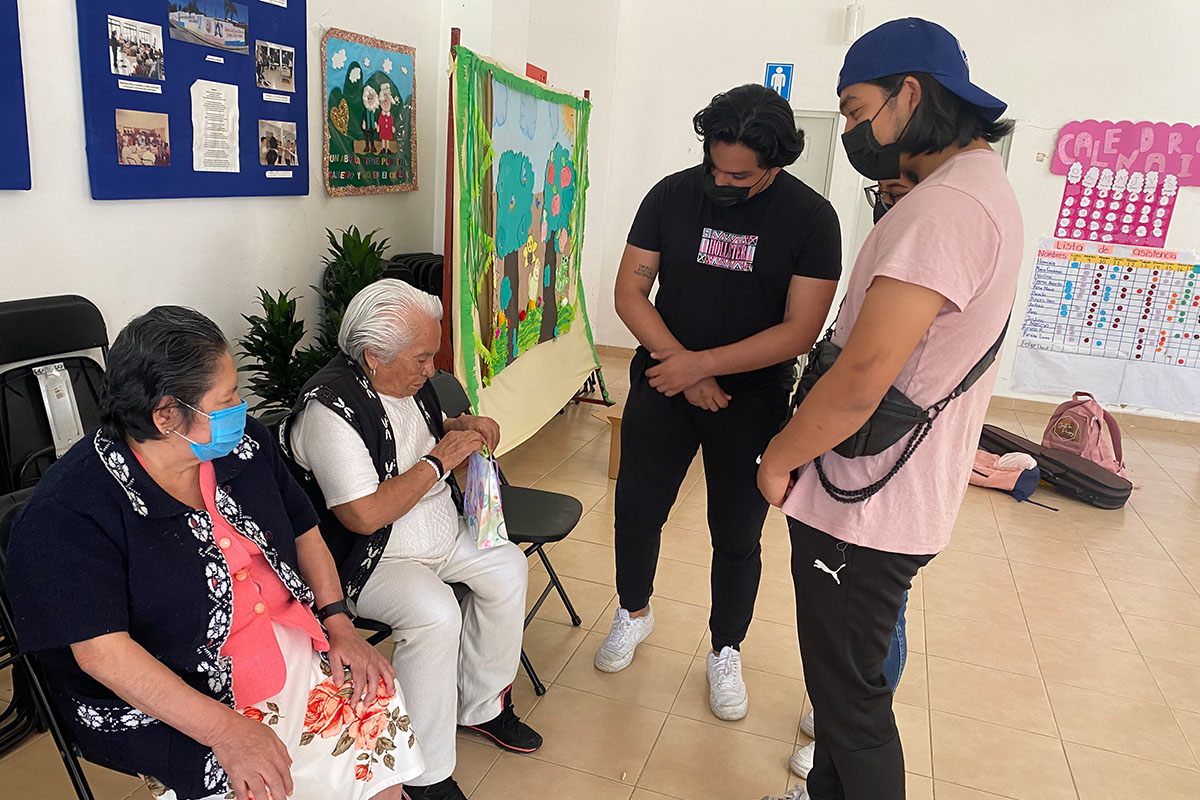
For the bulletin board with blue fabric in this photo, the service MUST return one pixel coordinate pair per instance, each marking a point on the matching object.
(14, 133)
(195, 98)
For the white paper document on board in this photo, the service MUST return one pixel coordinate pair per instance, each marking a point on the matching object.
(215, 127)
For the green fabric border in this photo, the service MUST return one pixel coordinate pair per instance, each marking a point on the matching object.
(471, 72)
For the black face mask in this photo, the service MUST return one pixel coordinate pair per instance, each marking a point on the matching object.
(878, 162)
(727, 196)
(879, 210)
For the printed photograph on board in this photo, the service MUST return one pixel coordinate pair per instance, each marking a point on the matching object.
(143, 139)
(274, 66)
(276, 143)
(135, 48)
(222, 24)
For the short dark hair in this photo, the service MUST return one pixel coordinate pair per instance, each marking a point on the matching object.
(168, 351)
(756, 117)
(942, 118)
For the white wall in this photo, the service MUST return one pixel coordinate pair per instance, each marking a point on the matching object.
(1052, 62)
(127, 256)
(649, 66)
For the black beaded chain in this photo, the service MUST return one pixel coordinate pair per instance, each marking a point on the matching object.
(852, 496)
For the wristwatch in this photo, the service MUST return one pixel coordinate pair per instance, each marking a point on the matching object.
(344, 606)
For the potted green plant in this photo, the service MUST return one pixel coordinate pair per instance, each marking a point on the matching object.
(353, 263)
(277, 365)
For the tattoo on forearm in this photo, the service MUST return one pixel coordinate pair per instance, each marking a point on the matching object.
(644, 271)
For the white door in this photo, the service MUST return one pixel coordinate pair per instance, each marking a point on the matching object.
(815, 164)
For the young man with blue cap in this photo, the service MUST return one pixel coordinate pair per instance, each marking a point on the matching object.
(929, 296)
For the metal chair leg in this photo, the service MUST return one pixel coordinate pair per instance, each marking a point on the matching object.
(538, 687)
(70, 761)
(575, 620)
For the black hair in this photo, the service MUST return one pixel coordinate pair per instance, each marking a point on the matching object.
(168, 351)
(942, 118)
(756, 117)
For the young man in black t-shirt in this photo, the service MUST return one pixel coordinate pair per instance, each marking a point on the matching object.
(747, 259)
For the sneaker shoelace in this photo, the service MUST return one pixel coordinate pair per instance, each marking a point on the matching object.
(729, 674)
(622, 631)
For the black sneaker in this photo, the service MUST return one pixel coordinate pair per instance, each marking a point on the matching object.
(442, 790)
(507, 730)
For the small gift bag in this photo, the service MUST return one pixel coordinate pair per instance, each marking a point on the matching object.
(481, 501)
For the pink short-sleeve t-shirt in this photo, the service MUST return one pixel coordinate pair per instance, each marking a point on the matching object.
(958, 233)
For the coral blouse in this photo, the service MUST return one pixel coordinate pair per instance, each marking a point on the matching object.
(259, 599)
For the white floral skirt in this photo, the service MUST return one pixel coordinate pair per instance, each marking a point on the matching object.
(340, 750)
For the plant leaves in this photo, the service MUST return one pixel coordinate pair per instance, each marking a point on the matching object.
(389, 761)
(306, 738)
(392, 729)
(343, 744)
(363, 757)
(274, 708)
(412, 740)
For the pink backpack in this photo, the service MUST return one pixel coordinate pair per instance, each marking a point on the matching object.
(1078, 427)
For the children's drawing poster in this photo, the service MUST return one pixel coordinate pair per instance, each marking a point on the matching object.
(370, 114)
(14, 133)
(520, 321)
(1123, 322)
(1123, 179)
(194, 98)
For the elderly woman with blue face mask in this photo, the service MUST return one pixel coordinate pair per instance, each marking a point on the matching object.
(170, 575)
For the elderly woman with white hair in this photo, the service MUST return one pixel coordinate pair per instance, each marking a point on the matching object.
(370, 443)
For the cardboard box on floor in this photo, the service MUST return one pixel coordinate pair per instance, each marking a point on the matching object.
(612, 415)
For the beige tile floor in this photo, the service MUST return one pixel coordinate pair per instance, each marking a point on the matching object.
(1053, 656)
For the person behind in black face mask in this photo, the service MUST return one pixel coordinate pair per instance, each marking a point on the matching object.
(747, 259)
(885, 194)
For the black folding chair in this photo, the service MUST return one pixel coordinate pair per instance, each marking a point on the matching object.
(31, 697)
(534, 517)
(42, 338)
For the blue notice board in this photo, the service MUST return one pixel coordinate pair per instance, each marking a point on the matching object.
(141, 61)
(779, 79)
(14, 133)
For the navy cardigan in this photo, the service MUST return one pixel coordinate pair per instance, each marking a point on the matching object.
(101, 548)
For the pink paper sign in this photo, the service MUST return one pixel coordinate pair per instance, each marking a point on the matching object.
(1131, 146)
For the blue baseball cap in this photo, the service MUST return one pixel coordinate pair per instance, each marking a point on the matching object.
(916, 45)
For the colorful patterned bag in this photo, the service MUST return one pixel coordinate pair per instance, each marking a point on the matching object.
(481, 501)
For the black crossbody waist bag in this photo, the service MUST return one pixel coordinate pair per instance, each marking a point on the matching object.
(896, 417)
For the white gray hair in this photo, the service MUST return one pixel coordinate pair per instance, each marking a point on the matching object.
(382, 318)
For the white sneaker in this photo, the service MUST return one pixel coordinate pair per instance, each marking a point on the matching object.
(726, 689)
(615, 653)
(802, 760)
(807, 726)
(797, 792)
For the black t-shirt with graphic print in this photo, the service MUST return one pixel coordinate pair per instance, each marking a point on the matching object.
(724, 272)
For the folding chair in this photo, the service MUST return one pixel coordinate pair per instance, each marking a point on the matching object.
(29, 685)
(49, 382)
(533, 517)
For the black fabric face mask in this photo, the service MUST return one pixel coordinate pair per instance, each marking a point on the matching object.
(879, 210)
(878, 162)
(726, 196)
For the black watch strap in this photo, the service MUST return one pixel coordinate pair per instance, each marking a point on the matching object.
(340, 607)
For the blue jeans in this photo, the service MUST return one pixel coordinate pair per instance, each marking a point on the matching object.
(893, 665)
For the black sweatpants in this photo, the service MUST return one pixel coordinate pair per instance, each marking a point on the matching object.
(659, 439)
(845, 622)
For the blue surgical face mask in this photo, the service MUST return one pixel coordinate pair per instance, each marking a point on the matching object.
(226, 427)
